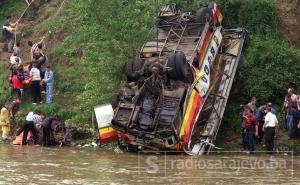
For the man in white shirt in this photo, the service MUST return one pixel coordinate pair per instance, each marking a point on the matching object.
(270, 124)
(35, 88)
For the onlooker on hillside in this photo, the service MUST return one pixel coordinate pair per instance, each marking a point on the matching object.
(14, 59)
(286, 106)
(17, 85)
(7, 33)
(292, 127)
(35, 84)
(242, 116)
(4, 122)
(261, 113)
(29, 125)
(270, 124)
(291, 109)
(36, 50)
(293, 96)
(17, 49)
(49, 81)
(252, 105)
(251, 129)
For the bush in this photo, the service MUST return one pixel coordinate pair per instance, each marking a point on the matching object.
(257, 16)
(270, 65)
(270, 68)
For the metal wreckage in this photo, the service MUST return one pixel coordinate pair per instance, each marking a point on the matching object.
(178, 84)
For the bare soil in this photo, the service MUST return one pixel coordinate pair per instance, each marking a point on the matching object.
(289, 17)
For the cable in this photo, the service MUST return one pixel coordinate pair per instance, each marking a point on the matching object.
(25, 11)
(17, 22)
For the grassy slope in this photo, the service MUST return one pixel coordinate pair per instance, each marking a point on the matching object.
(89, 42)
(13, 8)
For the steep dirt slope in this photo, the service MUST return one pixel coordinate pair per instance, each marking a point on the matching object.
(289, 17)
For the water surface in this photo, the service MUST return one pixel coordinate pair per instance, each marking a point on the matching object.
(37, 165)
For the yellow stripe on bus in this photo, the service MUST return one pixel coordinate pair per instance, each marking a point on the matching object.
(106, 130)
(187, 113)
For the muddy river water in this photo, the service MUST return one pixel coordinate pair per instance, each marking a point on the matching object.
(36, 165)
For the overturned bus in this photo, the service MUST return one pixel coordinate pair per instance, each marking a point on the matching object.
(178, 84)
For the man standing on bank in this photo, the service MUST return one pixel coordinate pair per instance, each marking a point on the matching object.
(49, 81)
(271, 123)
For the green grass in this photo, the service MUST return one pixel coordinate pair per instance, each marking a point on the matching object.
(4, 90)
(11, 7)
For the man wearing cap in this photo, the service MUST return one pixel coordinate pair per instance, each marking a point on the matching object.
(261, 113)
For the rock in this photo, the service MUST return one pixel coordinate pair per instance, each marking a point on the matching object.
(94, 144)
(87, 145)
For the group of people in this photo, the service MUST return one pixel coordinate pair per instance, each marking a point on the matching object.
(32, 122)
(37, 74)
(291, 108)
(262, 123)
(258, 123)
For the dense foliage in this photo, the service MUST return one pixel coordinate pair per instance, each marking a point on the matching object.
(269, 66)
(94, 38)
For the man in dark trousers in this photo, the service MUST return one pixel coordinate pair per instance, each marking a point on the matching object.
(271, 123)
(8, 29)
(29, 125)
(46, 125)
(251, 129)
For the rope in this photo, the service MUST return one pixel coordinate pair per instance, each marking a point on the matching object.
(17, 22)
(59, 8)
(16, 34)
(57, 12)
(25, 11)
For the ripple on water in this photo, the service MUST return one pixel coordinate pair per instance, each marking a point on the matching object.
(46, 164)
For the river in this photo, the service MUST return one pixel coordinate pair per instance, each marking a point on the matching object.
(37, 165)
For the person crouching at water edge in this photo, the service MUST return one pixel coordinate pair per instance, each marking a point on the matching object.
(271, 123)
(46, 125)
(32, 119)
(4, 122)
